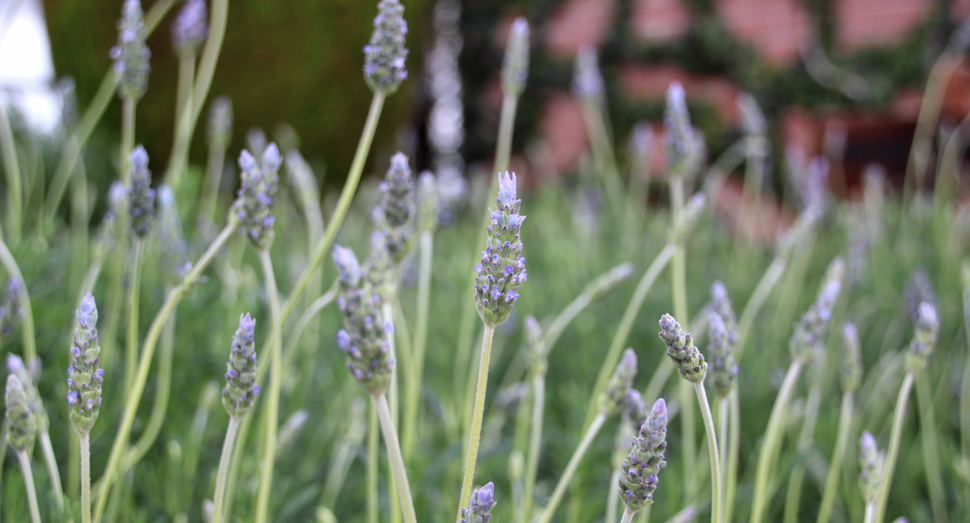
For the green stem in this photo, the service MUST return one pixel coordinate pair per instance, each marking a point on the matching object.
(773, 436)
(337, 474)
(275, 382)
(52, 472)
(603, 151)
(715, 458)
(185, 81)
(503, 147)
(29, 337)
(931, 454)
(535, 442)
(127, 138)
(870, 513)
(387, 310)
(893, 452)
(213, 178)
(131, 340)
(723, 406)
(758, 297)
(678, 273)
(162, 391)
(218, 505)
(15, 191)
(343, 204)
(613, 496)
(29, 483)
(627, 515)
(85, 445)
(293, 342)
(797, 476)
(835, 467)
(144, 364)
(571, 467)
(734, 448)
(394, 456)
(623, 329)
(413, 388)
(372, 465)
(475, 433)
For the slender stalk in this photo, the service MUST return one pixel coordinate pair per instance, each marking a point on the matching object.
(567, 475)
(773, 436)
(613, 496)
(51, 462)
(337, 473)
(29, 337)
(372, 465)
(623, 329)
(131, 340)
(627, 516)
(603, 151)
(870, 513)
(220, 495)
(162, 391)
(758, 297)
(535, 442)
(723, 408)
(931, 453)
(343, 204)
(85, 445)
(74, 144)
(926, 122)
(715, 459)
(413, 386)
(503, 147)
(29, 483)
(144, 364)
(394, 456)
(797, 476)
(734, 446)
(475, 433)
(835, 467)
(213, 178)
(15, 191)
(893, 452)
(127, 138)
(301, 324)
(185, 81)
(387, 310)
(275, 382)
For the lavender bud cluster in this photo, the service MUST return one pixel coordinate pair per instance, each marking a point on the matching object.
(679, 137)
(190, 28)
(872, 462)
(141, 197)
(20, 418)
(481, 503)
(255, 196)
(131, 54)
(808, 340)
(924, 338)
(587, 79)
(535, 346)
(851, 358)
(12, 309)
(241, 388)
(16, 367)
(638, 480)
(919, 289)
(724, 371)
(364, 338)
(428, 204)
(502, 268)
(170, 243)
(220, 123)
(515, 65)
(680, 347)
(397, 204)
(614, 397)
(384, 56)
(85, 375)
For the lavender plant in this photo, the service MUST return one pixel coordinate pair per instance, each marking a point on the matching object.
(642, 467)
(873, 463)
(480, 504)
(84, 379)
(131, 66)
(22, 425)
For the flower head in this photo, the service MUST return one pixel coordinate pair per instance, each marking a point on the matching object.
(20, 418)
(12, 309)
(397, 204)
(131, 54)
(679, 135)
(502, 267)
(384, 56)
(872, 462)
(515, 65)
(220, 123)
(170, 243)
(255, 196)
(851, 358)
(919, 289)
(680, 347)
(481, 503)
(84, 375)
(241, 388)
(141, 197)
(723, 367)
(190, 28)
(808, 340)
(924, 338)
(16, 367)
(640, 469)
(614, 397)
(587, 78)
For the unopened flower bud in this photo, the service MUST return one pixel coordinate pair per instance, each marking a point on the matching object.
(255, 196)
(638, 479)
(141, 197)
(872, 462)
(190, 28)
(20, 418)
(614, 397)
(481, 503)
(131, 54)
(680, 347)
(85, 375)
(241, 389)
(384, 56)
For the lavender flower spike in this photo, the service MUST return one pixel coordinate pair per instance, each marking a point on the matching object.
(723, 368)
(190, 28)
(482, 502)
(16, 367)
(131, 54)
(85, 375)
(384, 56)
(614, 397)
(641, 468)
(502, 268)
(364, 338)
(20, 418)
(680, 347)
(679, 135)
(255, 196)
(872, 462)
(515, 66)
(12, 306)
(919, 289)
(924, 338)
(220, 123)
(587, 78)
(851, 358)
(141, 197)
(241, 388)
(397, 203)
(808, 340)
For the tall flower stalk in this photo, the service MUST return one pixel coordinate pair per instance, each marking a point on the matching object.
(497, 280)
(131, 65)
(537, 352)
(722, 336)
(141, 208)
(22, 430)
(84, 380)
(924, 341)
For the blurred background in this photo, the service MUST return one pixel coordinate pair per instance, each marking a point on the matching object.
(836, 77)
